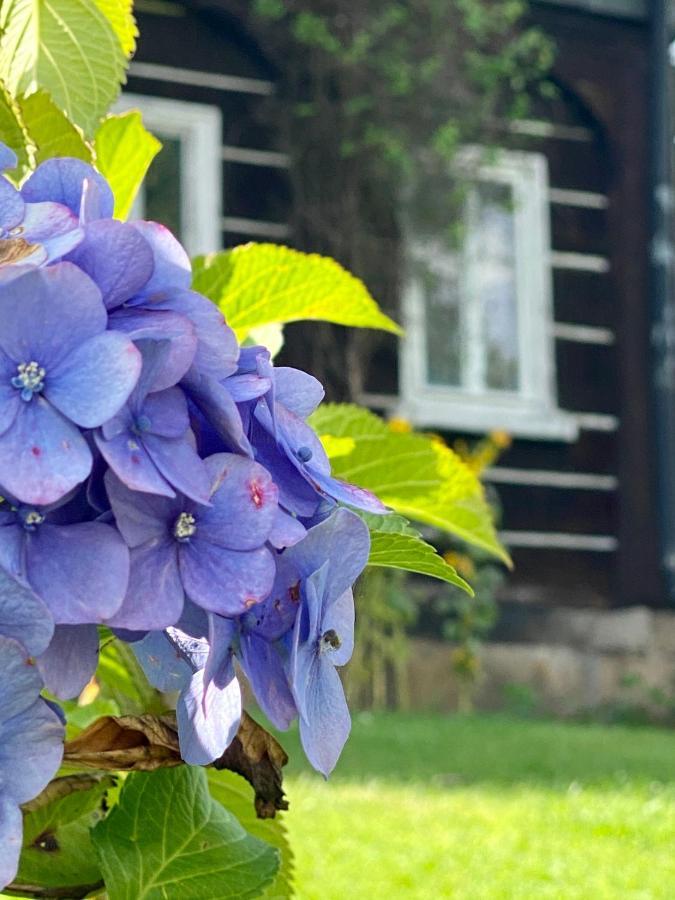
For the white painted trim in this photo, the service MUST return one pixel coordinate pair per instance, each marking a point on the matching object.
(546, 478)
(583, 334)
(583, 199)
(197, 78)
(250, 157)
(542, 129)
(198, 127)
(581, 262)
(255, 227)
(555, 540)
(596, 421)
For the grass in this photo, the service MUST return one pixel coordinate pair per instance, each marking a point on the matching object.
(486, 807)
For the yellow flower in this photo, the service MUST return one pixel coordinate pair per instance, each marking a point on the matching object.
(399, 425)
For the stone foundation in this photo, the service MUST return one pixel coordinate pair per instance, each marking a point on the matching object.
(566, 660)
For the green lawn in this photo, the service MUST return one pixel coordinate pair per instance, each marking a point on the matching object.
(486, 806)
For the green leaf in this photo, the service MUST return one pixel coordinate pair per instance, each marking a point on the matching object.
(413, 554)
(415, 474)
(124, 151)
(120, 14)
(13, 130)
(122, 680)
(258, 284)
(57, 849)
(50, 129)
(237, 796)
(167, 837)
(67, 48)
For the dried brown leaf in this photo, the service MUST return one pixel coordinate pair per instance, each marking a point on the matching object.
(259, 758)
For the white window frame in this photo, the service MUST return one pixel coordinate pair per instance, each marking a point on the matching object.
(531, 411)
(198, 127)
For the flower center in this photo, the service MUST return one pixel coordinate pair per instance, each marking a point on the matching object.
(30, 379)
(329, 641)
(184, 527)
(141, 425)
(13, 248)
(31, 519)
(304, 454)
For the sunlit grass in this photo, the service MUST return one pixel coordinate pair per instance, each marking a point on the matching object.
(426, 807)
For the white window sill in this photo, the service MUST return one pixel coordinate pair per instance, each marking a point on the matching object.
(482, 414)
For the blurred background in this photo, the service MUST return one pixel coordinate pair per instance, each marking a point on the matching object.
(499, 174)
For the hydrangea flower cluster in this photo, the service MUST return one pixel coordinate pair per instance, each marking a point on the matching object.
(158, 479)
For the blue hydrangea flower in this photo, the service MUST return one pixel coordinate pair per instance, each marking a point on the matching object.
(148, 444)
(32, 233)
(286, 445)
(74, 184)
(327, 562)
(196, 658)
(80, 571)
(31, 748)
(215, 555)
(59, 369)
(69, 662)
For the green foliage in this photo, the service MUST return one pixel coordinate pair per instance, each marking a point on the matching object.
(416, 474)
(50, 129)
(395, 544)
(57, 849)
(259, 284)
(68, 49)
(13, 130)
(191, 846)
(236, 795)
(120, 15)
(124, 151)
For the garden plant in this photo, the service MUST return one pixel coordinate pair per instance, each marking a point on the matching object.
(173, 504)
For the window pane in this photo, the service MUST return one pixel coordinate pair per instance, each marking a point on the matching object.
(162, 195)
(493, 278)
(435, 272)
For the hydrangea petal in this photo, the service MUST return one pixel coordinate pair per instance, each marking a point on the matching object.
(95, 380)
(12, 207)
(70, 661)
(155, 595)
(45, 314)
(244, 505)
(180, 465)
(117, 258)
(164, 667)
(226, 582)
(347, 493)
(208, 719)
(217, 347)
(286, 530)
(264, 670)
(172, 270)
(343, 541)
(21, 683)
(31, 750)
(339, 617)
(216, 404)
(167, 413)
(23, 615)
(62, 180)
(11, 835)
(325, 722)
(131, 462)
(42, 456)
(298, 391)
(80, 571)
(42, 221)
(139, 517)
(160, 325)
(8, 158)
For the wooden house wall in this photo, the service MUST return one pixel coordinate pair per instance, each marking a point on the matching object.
(577, 516)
